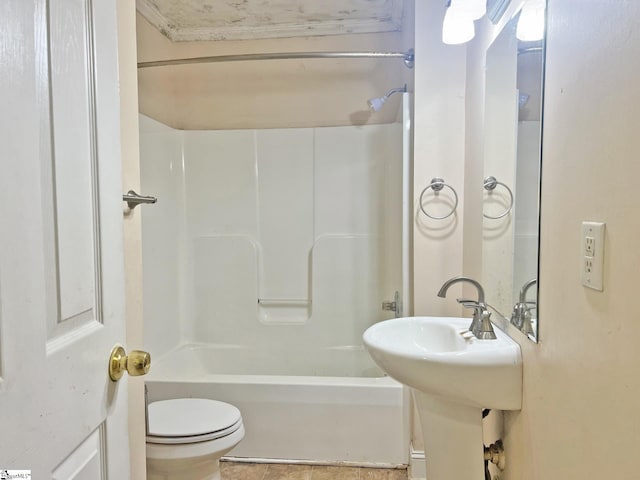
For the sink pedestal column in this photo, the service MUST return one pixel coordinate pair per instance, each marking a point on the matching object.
(452, 436)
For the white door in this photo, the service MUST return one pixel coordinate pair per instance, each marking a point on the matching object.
(61, 261)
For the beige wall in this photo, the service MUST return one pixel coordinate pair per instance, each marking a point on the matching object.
(132, 228)
(271, 94)
(580, 414)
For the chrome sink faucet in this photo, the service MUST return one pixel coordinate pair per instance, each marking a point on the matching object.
(521, 315)
(481, 324)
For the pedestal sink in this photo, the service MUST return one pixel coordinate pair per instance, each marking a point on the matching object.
(453, 377)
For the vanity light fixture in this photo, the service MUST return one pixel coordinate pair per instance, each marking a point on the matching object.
(457, 30)
(531, 23)
(458, 26)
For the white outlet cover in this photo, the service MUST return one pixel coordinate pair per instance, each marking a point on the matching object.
(592, 255)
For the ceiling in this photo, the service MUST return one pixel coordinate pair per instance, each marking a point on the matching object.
(195, 20)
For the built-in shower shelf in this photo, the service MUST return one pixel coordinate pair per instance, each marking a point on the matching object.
(284, 301)
(284, 311)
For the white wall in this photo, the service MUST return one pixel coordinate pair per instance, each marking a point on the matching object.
(302, 214)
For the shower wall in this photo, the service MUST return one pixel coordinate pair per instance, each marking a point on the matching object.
(281, 238)
(162, 235)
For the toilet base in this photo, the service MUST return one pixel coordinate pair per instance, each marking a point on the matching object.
(202, 468)
(194, 461)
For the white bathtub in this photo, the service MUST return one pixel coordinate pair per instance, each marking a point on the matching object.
(330, 405)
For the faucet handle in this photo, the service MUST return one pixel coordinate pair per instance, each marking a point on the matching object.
(468, 303)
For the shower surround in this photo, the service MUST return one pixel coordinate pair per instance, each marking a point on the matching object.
(268, 254)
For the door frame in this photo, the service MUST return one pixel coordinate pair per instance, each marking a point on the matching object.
(130, 144)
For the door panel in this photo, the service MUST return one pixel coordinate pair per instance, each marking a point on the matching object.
(86, 462)
(73, 153)
(61, 266)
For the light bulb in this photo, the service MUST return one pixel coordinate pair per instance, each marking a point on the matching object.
(473, 9)
(456, 28)
(531, 21)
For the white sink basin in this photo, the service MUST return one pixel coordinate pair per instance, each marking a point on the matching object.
(439, 357)
(453, 377)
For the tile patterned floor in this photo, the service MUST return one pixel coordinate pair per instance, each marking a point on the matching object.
(262, 471)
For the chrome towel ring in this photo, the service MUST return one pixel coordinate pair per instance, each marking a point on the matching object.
(437, 184)
(490, 184)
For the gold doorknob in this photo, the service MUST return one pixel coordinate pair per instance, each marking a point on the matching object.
(136, 363)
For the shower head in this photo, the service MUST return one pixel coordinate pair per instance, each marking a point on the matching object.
(376, 103)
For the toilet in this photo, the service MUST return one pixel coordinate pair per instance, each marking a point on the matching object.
(187, 436)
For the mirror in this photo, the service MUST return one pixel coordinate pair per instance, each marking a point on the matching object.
(512, 154)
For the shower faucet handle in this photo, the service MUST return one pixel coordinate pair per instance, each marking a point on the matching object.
(395, 306)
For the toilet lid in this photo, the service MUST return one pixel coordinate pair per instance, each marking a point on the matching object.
(187, 417)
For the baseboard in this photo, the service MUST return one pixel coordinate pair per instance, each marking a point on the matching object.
(417, 465)
(287, 461)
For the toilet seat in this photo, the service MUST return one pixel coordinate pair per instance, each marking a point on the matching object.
(191, 420)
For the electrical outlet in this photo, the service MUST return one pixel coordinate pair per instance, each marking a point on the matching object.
(592, 255)
(589, 246)
(588, 265)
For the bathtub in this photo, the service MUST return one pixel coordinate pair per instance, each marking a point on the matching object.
(326, 406)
